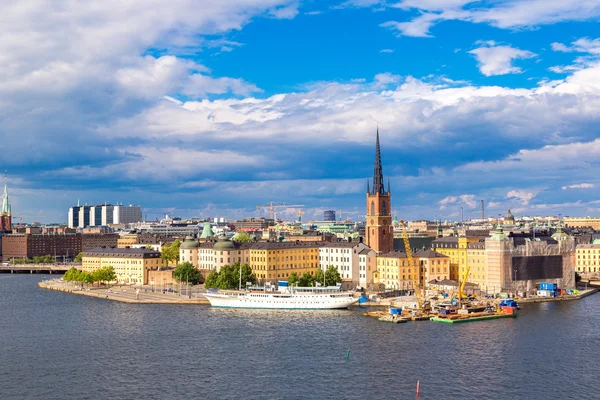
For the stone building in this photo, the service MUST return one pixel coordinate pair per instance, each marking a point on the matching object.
(28, 245)
(131, 265)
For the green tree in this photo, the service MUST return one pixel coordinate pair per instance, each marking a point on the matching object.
(319, 277)
(243, 237)
(332, 276)
(306, 280)
(211, 280)
(170, 253)
(186, 272)
(79, 257)
(228, 279)
(71, 274)
(293, 279)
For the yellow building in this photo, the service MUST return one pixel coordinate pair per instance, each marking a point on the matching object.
(127, 239)
(588, 257)
(455, 248)
(394, 270)
(434, 265)
(587, 222)
(271, 261)
(476, 260)
(130, 265)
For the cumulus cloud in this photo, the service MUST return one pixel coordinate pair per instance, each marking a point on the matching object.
(498, 60)
(522, 195)
(386, 51)
(464, 199)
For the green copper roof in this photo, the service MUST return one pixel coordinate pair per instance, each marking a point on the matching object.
(499, 235)
(207, 232)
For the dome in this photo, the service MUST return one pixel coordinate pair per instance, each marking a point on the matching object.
(499, 236)
(189, 243)
(559, 234)
(207, 231)
(509, 218)
(223, 244)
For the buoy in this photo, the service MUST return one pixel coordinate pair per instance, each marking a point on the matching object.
(348, 354)
(418, 388)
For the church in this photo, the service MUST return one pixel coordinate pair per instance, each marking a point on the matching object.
(379, 232)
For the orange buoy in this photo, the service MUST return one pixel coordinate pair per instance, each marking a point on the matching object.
(418, 388)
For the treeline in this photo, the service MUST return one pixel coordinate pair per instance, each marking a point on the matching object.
(104, 274)
(332, 277)
(35, 260)
(229, 277)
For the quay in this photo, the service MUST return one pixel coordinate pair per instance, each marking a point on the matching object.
(34, 269)
(582, 293)
(123, 293)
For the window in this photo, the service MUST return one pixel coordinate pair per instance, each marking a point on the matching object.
(372, 208)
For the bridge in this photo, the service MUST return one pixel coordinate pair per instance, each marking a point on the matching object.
(35, 268)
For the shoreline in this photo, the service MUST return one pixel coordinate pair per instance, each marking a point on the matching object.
(116, 293)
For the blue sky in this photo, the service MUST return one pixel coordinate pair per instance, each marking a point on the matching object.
(200, 108)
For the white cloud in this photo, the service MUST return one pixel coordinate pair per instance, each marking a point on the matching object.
(498, 60)
(579, 186)
(506, 14)
(465, 199)
(386, 51)
(523, 195)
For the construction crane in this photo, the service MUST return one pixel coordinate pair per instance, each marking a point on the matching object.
(416, 269)
(461, 288)
(299, 214)
(272, 206)
(346, 212)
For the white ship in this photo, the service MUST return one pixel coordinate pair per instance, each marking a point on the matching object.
(286, 298)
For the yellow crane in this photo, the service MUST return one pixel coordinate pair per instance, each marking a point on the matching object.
(20, 217)
(272, 206)
(415, 275)
(461, 288)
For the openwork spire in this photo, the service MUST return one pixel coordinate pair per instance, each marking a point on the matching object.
(378, 186)
(5, 202)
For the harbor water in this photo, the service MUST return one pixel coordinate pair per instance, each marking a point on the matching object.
(60, 346)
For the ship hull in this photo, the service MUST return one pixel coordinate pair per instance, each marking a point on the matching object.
(281, 302)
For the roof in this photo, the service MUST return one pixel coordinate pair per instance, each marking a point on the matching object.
(344, 244)
(394, 254)
(429, 254)
(284, 245)
(126, 252)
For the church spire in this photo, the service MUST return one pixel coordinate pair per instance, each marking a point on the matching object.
(5, 202)
(378, 186)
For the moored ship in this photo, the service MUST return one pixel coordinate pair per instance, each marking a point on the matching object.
(285, 298)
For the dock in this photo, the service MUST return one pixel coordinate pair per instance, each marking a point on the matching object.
(123, 294)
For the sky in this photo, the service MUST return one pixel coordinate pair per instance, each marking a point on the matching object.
(208, 109)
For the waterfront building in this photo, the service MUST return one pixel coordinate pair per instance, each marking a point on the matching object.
(395, 270)
(455, 248)
(271, 261)
(434, 265)
(210, 255)
(367, 267)
(588, 257)
(520, 262)
(379, 231)
(130, 265)
(587, 222)
(344, 256)
(476, 261)
(33, 243)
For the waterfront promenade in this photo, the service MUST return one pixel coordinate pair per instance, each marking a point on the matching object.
(125, 293)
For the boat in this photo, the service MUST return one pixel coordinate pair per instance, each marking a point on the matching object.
(285, 298)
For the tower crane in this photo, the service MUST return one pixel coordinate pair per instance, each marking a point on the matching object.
(272, 206)
(416, 269)
(299, 214)
(346, 212)
(27, 216)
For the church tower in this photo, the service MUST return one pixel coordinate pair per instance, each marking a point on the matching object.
(5, 212)
(379, 231)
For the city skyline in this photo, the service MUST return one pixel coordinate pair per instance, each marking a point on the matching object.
(210, 112)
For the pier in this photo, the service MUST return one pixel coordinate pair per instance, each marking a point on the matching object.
(124, 293)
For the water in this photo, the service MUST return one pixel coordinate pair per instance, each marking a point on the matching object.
(59, 346)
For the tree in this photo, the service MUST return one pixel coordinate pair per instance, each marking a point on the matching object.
(186, 272)
(79, 257)
(293, 279)
(332, 276)
(319, 276)
(71, 274)
(243, 237)
(170, 253)
(306, 280)
(211, 280)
